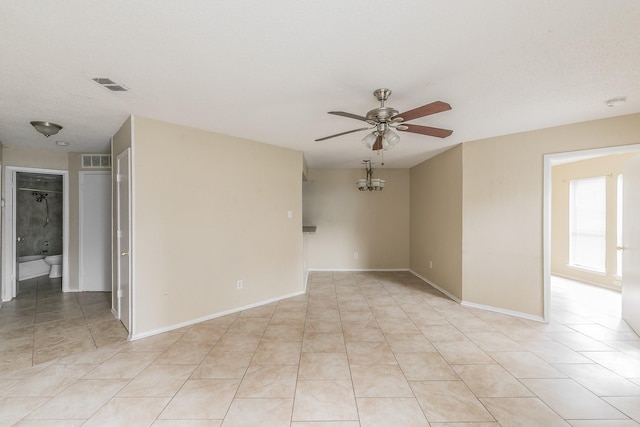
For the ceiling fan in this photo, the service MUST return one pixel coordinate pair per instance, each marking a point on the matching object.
(384, 119)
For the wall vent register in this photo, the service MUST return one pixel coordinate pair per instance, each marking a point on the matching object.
(96, 161)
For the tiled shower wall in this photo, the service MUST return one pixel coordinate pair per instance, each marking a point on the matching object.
(36, 237)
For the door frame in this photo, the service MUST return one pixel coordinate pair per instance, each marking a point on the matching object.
(81, 174)
(9, 261)
(551, 160)
(118, 281)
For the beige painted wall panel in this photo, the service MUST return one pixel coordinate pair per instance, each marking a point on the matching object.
(374, 224)
(609, 166)
(35, 158)
(436, 220)
(210, 210)
(502, 208)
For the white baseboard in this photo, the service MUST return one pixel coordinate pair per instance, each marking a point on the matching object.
(503, 311)
(481, 306)
(444, 291)
(209, 317)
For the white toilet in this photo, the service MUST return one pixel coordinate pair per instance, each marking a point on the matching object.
(55, 261)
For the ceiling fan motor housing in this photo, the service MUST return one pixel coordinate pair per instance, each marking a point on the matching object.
(381, 114)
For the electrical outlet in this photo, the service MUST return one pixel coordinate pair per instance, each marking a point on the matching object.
(430, 264)
(355, 255)
(239, 284)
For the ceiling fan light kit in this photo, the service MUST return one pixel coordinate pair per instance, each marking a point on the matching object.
(386, 119)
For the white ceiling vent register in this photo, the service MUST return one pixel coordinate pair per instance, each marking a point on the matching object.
(96, 161)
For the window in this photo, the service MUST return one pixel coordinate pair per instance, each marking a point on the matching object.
(587, 223)
(619, 227)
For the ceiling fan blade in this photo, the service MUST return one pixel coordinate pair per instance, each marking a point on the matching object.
(425, 110)
(340, 134)
(378, 145)
(426, 130)
(348, 115)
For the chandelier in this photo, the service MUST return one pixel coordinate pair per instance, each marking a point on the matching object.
(370, 183)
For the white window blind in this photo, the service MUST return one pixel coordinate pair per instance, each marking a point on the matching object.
(587, 223)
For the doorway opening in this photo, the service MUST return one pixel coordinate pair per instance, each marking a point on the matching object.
(572, 267)
(36, 227)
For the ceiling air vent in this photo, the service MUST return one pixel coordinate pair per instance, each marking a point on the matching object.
(96, 161)
(110, 84)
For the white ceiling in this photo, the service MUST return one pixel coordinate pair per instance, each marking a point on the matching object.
(270, 70)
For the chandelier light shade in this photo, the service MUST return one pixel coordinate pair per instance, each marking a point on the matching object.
(370, 183)
(46, 128)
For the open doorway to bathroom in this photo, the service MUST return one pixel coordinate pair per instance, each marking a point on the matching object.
(35, 227)
(39, 209)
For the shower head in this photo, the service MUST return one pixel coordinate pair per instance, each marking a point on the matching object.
(40, 196)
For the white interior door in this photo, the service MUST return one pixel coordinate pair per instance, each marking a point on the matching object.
(95, 231)
(631, 243)
(123, 237)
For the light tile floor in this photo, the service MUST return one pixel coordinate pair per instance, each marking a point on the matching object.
(43, 323)
(358, 350)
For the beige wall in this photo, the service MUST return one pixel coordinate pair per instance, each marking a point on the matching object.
(436, 220)
(210, 210)
(41, 158)
(503, 208)
(373, 224)
(609, 166)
